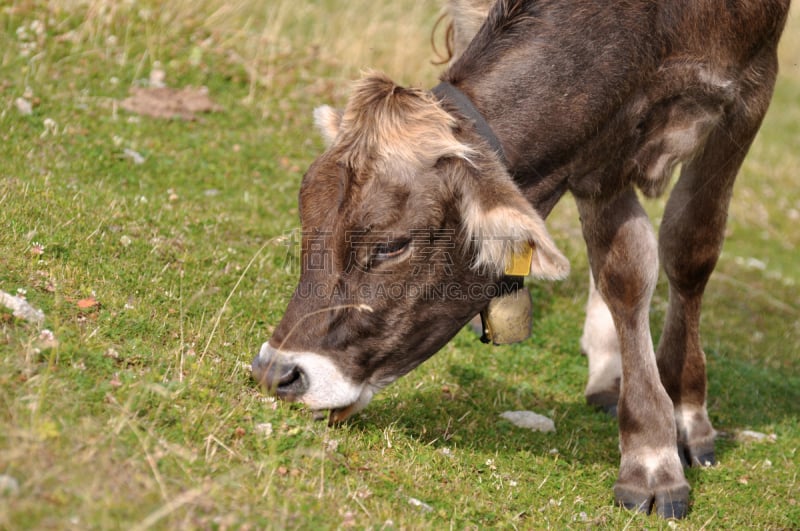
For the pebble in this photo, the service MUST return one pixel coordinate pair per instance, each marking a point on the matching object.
(21, 308)
(530, 420)
(135, 156)
(8, 485)
(755, 436)
(421, 504)
(24, 106)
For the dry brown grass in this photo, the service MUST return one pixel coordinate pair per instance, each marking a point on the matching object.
(335, 39)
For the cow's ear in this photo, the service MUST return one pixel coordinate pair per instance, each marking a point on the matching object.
(501, 223)
(328, 120)
(504, 231)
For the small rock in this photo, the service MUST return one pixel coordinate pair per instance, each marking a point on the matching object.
(530, 420)
(8, 485)
(24, 107)
(21, 308)
(135, 156)
(421, 504)
(157, 78)
(755, 436)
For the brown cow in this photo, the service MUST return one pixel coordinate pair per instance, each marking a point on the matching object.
(414, 212)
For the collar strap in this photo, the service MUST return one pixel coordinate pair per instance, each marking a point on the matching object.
(447, 91)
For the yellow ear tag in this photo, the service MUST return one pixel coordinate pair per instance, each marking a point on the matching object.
(520, 265)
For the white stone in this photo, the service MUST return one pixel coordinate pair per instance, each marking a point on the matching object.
(23, 106)
(755, 436)
(8, 485)
(421, 504)
(21, 308)
(530, 420)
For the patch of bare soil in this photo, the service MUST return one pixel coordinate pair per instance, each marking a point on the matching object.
(168, 102)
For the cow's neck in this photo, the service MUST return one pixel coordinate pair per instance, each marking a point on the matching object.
(502, 126)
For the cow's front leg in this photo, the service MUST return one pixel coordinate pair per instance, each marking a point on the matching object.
(624, 262)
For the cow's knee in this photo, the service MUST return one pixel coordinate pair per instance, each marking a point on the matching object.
(628, 276)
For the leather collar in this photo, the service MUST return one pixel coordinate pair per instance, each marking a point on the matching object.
(447, 91)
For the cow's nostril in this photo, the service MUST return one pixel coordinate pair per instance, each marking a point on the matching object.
(279, 375)
(291, 382)
(290, 376)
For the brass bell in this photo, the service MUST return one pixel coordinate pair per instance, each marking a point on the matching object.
(507, 319)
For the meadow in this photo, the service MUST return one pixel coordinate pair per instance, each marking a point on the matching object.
(160, 252)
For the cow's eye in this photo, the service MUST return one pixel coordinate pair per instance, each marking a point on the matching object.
(388, 250)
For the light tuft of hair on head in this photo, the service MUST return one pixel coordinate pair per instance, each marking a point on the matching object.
(395, 130)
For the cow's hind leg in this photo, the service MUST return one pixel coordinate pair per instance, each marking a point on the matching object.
(600, 344)
(623, 256)
(690, 240)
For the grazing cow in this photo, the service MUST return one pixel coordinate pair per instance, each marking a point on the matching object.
(423, 198)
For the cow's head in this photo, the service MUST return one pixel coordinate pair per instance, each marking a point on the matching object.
(406, 231)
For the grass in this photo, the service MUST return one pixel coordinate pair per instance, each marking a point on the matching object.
(160, 280)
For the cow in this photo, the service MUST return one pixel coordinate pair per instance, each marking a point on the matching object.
(423, 199)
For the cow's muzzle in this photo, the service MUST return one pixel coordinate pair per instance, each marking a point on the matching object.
(278, 375)
(312, 379)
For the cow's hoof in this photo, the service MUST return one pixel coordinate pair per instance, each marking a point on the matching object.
(610, 410)
(697, 457)
(633, 499)
(605, 401)
(673, 503)
(704, 459)
(672, 509)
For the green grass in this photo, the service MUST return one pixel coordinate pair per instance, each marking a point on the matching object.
(144, 415)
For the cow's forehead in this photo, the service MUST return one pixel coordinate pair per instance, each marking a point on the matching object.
(332, 198)
(394, 131)
(322, 192)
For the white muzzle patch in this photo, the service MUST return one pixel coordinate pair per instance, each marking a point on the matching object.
(326, 386)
